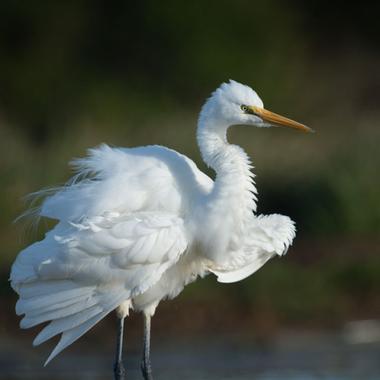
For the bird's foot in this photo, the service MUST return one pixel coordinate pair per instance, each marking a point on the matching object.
(146, 370)
(119, 371)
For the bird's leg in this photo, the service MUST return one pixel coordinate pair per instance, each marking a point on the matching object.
(118, 368)
(145, 364)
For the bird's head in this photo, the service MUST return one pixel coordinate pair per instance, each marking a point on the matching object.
(234, 103)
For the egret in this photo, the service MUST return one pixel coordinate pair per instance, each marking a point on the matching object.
(135, 225)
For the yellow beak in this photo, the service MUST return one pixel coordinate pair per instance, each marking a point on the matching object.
(277, 120)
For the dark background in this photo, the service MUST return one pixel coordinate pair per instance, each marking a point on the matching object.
(74, 74)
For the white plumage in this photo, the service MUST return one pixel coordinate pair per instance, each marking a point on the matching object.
(138, 224)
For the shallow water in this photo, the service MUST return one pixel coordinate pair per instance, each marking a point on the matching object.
(289, 357)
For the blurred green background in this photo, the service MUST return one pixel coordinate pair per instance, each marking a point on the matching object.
(74, 74)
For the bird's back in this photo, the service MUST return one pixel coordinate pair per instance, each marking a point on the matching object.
(128, 180)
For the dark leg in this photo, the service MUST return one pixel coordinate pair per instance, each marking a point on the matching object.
(118, 368)
(145, 364)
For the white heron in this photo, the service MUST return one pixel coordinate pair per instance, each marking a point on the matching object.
(136, 225)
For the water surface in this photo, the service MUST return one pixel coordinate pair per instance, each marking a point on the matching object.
(288, 357)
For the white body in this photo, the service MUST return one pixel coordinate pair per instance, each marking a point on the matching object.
(139, 224)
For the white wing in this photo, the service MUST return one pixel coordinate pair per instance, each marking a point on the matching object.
(121, 227)
(268, 235)
(79, 273)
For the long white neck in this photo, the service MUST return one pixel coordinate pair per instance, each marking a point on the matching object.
(234, 190)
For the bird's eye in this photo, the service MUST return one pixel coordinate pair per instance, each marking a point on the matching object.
(244, 108)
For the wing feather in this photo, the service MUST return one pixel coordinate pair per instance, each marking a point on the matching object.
(120, 227)
(90, 271)
(269, 235)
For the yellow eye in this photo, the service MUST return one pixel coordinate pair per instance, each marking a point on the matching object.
(244, 108)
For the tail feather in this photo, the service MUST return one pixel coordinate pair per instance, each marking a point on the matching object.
(54, 307)
(71, 307)
(81, 316)
(51, 301)
(87, 320)
(60, 325)
(42, 288)
(33, 320)
(70, 336)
